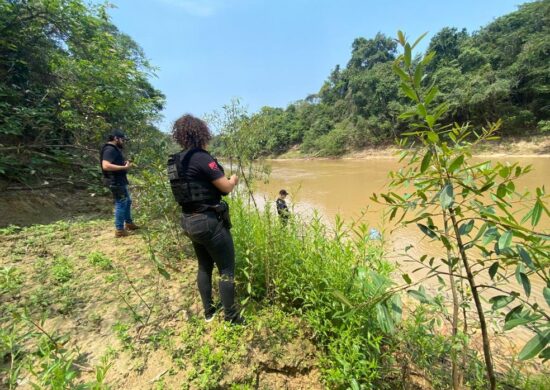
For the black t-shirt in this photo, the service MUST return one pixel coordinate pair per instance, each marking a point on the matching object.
(281, 206)
(113, 154)
(200, 166)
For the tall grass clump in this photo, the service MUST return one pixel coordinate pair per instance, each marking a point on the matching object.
(334, 278)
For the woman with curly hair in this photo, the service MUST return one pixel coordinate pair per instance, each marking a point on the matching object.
(198, 183)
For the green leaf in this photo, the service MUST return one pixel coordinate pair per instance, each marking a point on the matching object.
(505, 239)
(441, 109)
(421, 109)
(409, 92)
(490, 235)
(466, 227)
(534, 346)
(426, 230)
(418, 73)
(500, 301)
(428, 58)
(485, 187)
(396, 307)
(501, 191)
(407, 114)
(407, 278)
(342, 298)
(397, 70)
(537, 212)
(426, 161)
(545, 355)
(401, 37)
(519, 270)
(430, 120)
(525, 257)
(418, 40)
(526, 283)
(418, 294)
(504, 172)
(418, 218)
(163, 272)
(546, 293)
(433, 137)
(446, 243)
(457, 163)
(407, 55)
(393, 213)
(493, 269)
(514, 313)
(384, 318)
(527, 216)
(430, 95)
(446, 197)
(516, 321)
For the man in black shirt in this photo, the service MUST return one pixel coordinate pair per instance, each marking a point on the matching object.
(114, 167)
(282, 208)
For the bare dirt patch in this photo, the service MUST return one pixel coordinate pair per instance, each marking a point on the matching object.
(106, 305)
(42, 206)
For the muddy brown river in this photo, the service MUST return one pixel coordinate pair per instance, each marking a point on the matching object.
(343, 187)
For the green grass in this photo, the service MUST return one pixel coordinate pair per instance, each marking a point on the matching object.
(335, 279)
(99, 260)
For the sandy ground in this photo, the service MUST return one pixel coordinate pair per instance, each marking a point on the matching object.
(150, 328)
(521, 147)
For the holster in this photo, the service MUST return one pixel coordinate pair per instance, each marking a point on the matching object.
(222, 211)
(119, 192)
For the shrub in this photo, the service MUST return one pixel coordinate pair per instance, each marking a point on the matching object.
(335, 279)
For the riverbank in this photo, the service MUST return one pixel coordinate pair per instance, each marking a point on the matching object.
(81, 309)
(529, 146)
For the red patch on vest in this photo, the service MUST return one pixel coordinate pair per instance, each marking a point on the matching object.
(213, 166)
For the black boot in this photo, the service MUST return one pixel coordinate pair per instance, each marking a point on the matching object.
(227, 293)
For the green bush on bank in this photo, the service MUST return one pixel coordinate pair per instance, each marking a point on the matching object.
(336, 280)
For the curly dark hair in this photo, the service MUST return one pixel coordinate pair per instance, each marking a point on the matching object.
(191, 132)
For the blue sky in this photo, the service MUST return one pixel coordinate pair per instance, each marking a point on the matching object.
(271, 53)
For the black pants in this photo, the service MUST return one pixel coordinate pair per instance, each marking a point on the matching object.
(213, 245)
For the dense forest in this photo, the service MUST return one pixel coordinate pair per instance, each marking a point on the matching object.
(500, 71)
(67, 77)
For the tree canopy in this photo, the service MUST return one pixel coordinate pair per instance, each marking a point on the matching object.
(67, 77)
(500, 71)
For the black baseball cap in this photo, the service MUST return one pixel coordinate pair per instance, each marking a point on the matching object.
(283, 192)
(119, 134)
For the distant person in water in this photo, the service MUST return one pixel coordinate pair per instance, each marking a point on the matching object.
(114, 167)
(282, 208)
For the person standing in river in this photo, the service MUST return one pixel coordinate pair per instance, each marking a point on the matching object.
(198, 183)
(114, 167)
(282, 208)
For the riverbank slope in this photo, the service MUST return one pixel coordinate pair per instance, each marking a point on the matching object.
(530, 146)
(83, 308)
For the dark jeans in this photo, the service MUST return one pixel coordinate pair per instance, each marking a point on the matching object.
(213, 245)
(123, 205)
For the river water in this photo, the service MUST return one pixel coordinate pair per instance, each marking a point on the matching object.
(344, 187)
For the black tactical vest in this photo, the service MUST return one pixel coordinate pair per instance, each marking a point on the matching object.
(108, 176)
(195, 191)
